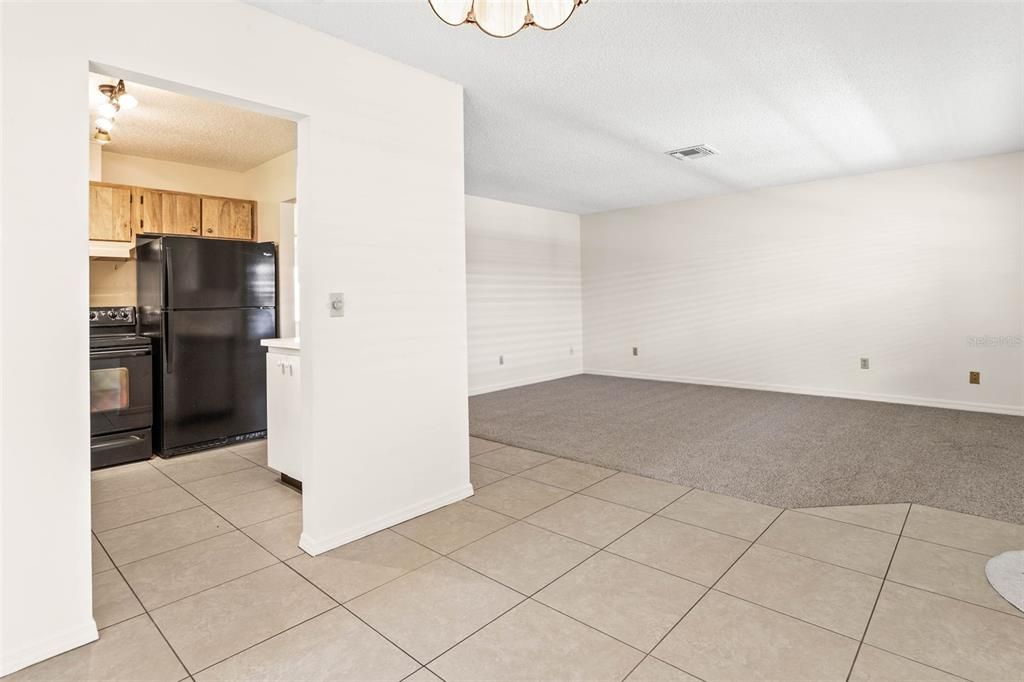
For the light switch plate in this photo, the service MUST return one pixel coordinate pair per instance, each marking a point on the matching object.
(336, 304)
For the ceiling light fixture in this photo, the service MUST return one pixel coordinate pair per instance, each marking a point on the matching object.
(117, 97)
(505, 18)
(114, 100)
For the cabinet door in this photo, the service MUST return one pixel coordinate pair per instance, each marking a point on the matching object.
(149, 210)
(227, 218)
(180, 213)
(110, 212)
(168, 212)
(284, 403)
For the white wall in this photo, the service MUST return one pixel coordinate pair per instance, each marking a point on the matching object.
(287, 294)
(786, 288)
(523, 275)
(380, 186)
(95, 162)
(125, 169)
(269, 184)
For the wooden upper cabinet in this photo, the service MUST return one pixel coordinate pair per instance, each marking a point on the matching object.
(117, 212)
(228, 218)
(168, 212)
(110, 212)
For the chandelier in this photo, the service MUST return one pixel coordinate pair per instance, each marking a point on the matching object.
(504, 18)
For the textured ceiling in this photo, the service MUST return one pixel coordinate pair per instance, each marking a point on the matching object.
(186, 129)
(578, 119)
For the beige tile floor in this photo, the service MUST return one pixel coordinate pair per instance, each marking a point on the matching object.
(553, 570)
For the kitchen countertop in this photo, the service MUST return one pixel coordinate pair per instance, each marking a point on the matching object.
(282, 344)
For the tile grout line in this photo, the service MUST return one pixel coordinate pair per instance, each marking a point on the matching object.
(987, 555)
(145, 611)
(657, 513)
(525, 597)
(689, 489)
(276, 560)
(914, 660)
(571, 493)
(820, 561)
(270, 484)
(165, 551)
(1018, 614)
(150, 518)
(235, 528)
(488, 440)
(555, 579)
(571, 490)
(707, 592)
(232, 529)
(599, 551)
(604, 549)
(878, 596)
(695, 525)
(381, 634)
(787, 615)
(460, 641)
(850, 523)
(256, 644)
(337, 605)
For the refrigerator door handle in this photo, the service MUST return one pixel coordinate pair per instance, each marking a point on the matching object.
(168, 344)
(168, 277)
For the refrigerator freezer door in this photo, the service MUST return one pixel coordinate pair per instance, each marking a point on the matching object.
(213, 378)
(218, 273)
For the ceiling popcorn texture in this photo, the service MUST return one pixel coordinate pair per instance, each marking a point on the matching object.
(202, 132)
(579, 119)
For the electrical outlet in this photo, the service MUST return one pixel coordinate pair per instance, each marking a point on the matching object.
(865, 363)
(974, 377)
(636, 351)
(501, 359)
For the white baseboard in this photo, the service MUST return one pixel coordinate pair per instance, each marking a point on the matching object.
(314, 546)
(490, 388)
(829, 393)
(51, 646)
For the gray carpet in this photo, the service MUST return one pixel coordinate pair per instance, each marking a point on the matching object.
(776, 448)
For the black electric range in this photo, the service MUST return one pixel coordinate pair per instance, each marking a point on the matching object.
(120, 388)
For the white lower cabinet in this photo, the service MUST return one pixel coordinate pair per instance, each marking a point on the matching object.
(284, 399)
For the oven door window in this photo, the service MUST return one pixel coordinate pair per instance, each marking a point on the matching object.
(108, 389)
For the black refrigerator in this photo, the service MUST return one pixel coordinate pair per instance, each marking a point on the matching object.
(207, 303)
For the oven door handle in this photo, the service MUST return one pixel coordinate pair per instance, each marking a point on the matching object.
(119, 353)
(103, 445)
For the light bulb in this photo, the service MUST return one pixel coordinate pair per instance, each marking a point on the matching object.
(127, 101)
(101, 137)
(104, 124)
(107, 109)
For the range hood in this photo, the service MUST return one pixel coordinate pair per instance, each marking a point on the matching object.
(109, 250)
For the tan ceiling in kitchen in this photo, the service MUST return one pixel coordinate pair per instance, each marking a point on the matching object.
(175, 127)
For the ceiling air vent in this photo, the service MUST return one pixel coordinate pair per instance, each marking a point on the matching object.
(697, 151)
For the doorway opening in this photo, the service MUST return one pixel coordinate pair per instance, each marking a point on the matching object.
(192, 281)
